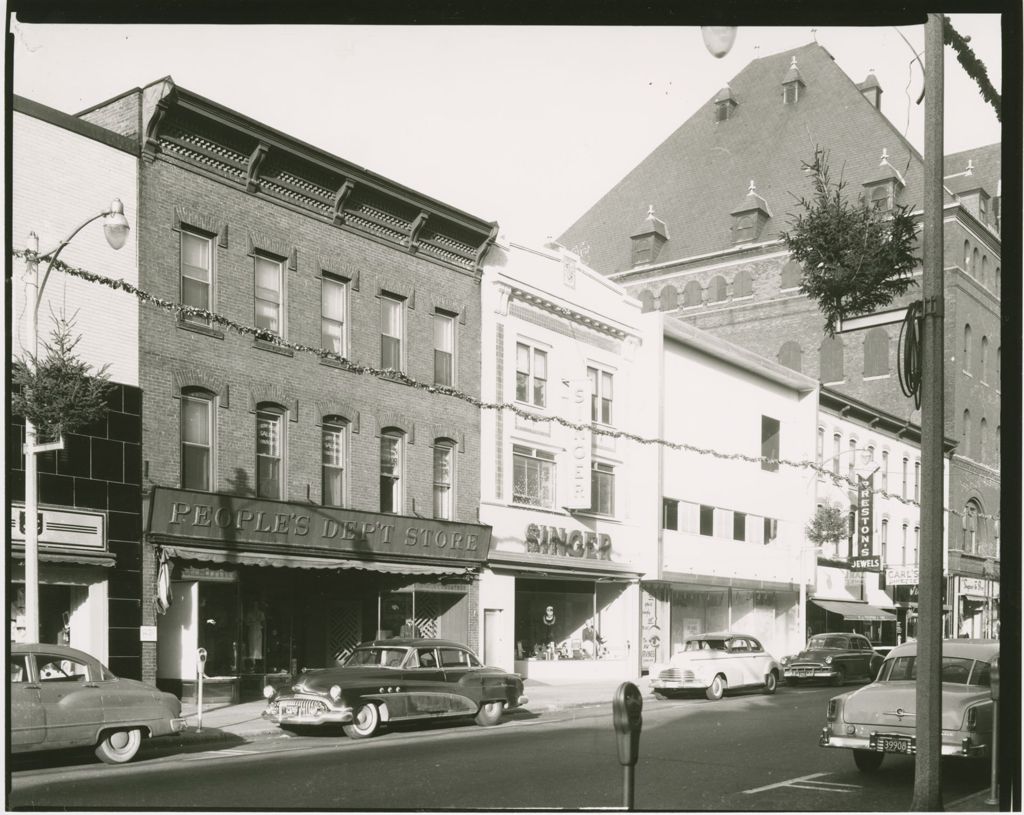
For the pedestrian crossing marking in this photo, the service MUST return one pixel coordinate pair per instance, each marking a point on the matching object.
(807, 782)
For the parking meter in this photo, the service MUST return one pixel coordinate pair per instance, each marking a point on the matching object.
(627, 706)
(200, 673)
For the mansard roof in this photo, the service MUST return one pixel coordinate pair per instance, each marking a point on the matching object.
(692, 178)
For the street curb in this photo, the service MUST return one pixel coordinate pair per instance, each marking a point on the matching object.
(213, 734)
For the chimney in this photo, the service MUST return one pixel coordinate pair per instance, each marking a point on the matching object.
(871, 90)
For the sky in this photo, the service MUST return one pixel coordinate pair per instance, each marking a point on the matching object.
(524, 125)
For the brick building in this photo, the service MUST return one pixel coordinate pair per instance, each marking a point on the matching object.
(297, 506)
(694, 230)
(64, 171)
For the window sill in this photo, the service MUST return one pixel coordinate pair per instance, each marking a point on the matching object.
(332, 363)
(580, 513)
(873, 377)
(394, 376)
(274, 348)
(535, 508)
(199, 328)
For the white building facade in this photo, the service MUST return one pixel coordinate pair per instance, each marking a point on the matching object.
(871, 455)
(731, 551)
(65, 171)
(572, 511)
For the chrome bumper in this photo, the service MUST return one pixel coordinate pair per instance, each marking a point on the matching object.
(678, 684)
(341, 716)
(177, 725)
(963, 749)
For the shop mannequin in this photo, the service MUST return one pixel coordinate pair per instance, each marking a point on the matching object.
(548, 621)
(254, 620)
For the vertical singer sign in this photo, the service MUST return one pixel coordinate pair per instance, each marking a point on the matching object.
(578, 471)
(865, 561)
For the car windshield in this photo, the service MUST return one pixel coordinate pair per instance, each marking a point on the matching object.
(705, 645)
(827, 641)
(382, 657)
(955, 671)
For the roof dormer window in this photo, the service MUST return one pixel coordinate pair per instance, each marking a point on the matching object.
(725, 105)
(882, 186)
(881, 197)
(648, 239)
(792, 85)
(750, 216)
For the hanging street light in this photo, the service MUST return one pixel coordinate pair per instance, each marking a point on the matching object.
(718, 38)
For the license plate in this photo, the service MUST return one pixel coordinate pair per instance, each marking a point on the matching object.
(803, 671)
(289, 710)
(894, 744)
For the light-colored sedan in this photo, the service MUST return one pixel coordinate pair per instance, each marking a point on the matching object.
(62, 697)
(880, 718)
(717, 662)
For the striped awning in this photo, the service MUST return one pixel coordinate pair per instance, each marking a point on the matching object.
(855, 611)
(302, 562)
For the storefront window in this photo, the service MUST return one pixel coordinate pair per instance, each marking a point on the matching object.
(561, 619)
(219, 627)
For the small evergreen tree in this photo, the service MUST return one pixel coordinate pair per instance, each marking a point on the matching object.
(828, 526)
(856, 259)
(59, 393)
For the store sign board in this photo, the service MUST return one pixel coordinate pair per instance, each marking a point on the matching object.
(61, 527)
(901, 576)
(579, 448)
(866, 519)
(870, 563)
(214, 518)
(581, 543)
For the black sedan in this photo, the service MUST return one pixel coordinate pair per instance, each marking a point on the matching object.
(396, 680)
(834, 657)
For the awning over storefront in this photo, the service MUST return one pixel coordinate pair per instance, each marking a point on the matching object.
(69, 554)
(298, 562)
(562, 567)
(855, 611)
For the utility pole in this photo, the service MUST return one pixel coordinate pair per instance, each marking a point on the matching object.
(927, 775)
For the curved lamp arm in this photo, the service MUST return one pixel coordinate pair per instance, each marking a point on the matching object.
(115, 230)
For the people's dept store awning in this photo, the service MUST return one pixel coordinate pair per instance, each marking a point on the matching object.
(296, 562)
(855, 611)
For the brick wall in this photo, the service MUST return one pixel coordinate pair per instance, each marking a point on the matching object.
(233, 363)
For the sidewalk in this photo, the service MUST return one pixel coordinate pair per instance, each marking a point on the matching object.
(243, 723)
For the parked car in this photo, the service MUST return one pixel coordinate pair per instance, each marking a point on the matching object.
(714, 663)
(62, 697)
(879, 718)
(396, 680)
(835, 657)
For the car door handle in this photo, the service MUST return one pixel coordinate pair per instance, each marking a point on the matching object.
(91, 685)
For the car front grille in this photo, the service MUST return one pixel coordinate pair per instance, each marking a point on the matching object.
(676, 675)
(301, 707)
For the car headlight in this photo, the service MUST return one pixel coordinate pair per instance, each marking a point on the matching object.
(268, 692)
(828, 660)
(335, 693)
(785, 660)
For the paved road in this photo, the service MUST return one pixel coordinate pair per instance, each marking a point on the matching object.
(747, 752)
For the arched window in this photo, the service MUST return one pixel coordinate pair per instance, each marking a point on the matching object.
(197, 439)
(830, 360)
(984, 270)
(965, 435)
(270, 451)
(333, 460)
(967, 256)
(742, 284)
(716, 289)
(973, 527)
(967, 348)
(790, 355)
(391, 461)
(983, 368)
(974, 262)
(646, 301)
(669, 299)
(982, 440)
(444, 479)
(876, 352)
(693, 294)
(791, 275)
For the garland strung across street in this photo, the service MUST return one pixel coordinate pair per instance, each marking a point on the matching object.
(974, 67)
(398, 376)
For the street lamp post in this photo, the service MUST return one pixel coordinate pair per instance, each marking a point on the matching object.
(115, 228)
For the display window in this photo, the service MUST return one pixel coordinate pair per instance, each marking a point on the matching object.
(561, 619)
